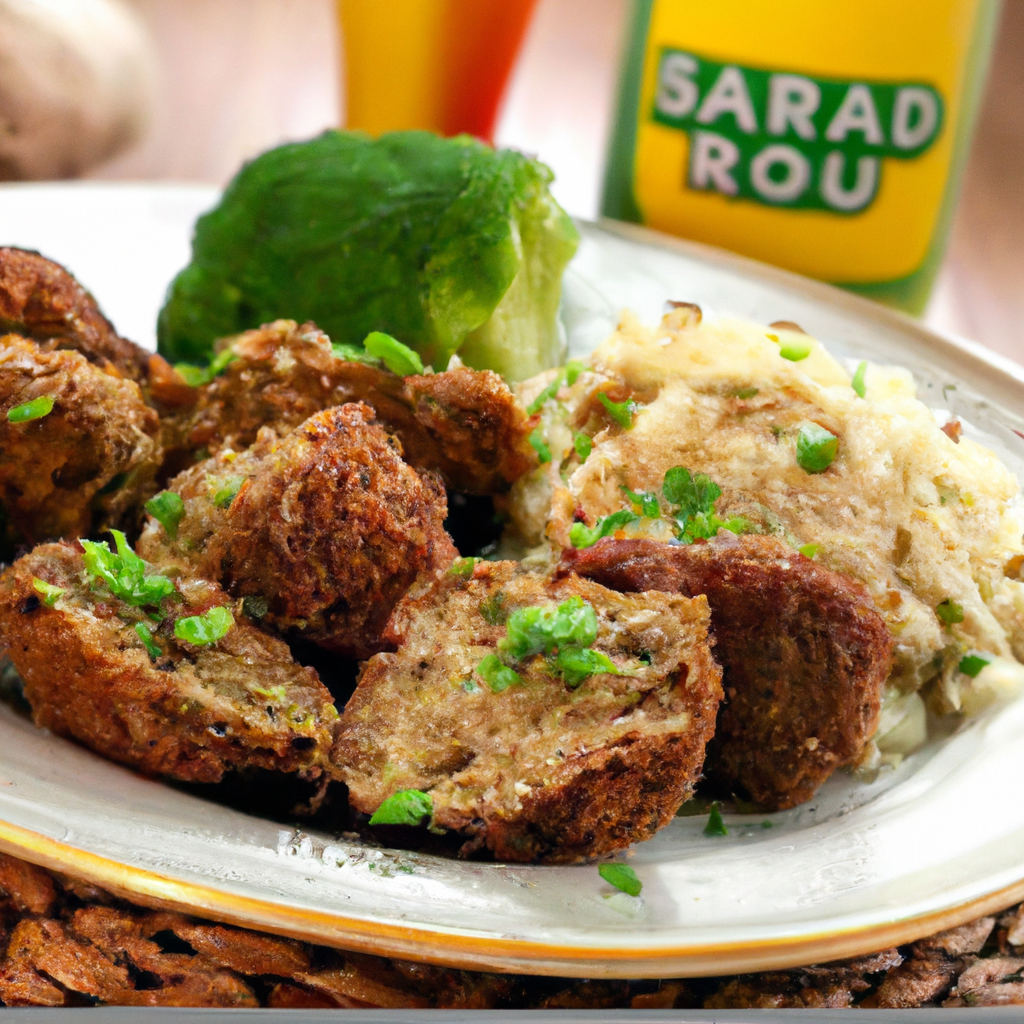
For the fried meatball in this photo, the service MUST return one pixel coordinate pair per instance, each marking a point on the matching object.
(804, 655)
(328, 525)
(41, 300)
(87, 463)
(529, 766)
(190, 712)
(464, 423)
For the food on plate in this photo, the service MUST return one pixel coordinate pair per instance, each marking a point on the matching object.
(464, 423)
(446, 244)
(163, 674)
(544, 719)
(679, 432)
(324, 528)
(39, 299)
(79, 448)
(804, 655)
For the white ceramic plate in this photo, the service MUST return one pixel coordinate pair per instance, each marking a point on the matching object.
(927, 846)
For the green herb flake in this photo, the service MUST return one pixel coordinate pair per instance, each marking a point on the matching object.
(745, 393)
(167, 508)
(949, 611)
(546, 395)
(583, 445)
(124, 572)
(540, 446)
(795, 349)
(646, 501)
(809, 550)
(972, 664)
(493, 610)
(205, 629)
(470, 686)
(255, 606)
(715, 825)
(858, 380)
(227, 491)
(406, 807)
(34, 410)
(692, 494)
(145, 634)
(49, 593)
(496, 674)
(398, 358)
(276, 693)
(816, 448)
(352, 353)
(573, 369)
(621, 412)
(767, 823)
(622, 876)
(193, 376)
(583, 536)
(543, 628)
(576, 664)
(462, 567)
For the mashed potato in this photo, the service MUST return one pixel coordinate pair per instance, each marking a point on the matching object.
(931, 525)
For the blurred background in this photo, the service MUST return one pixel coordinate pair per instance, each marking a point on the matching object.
(225, 79)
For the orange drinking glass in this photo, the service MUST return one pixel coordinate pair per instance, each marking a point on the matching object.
(441, 65)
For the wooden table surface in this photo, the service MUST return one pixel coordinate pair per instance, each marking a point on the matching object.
(238, 76)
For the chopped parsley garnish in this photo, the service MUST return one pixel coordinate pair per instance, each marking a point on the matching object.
(646, 501)
(124, 572)
(49, 593)
(809, 550)
(715, 825)
(470, 686)
(145, 634)
(406, 807)
(704, 526)
(621, 412)
(197, 376)
(816, 448)
(767, 823)
(583, 536)
(583, 445)
(540, 629)
(228, 491)
(167, 508)
(573, 369)
(34, 410)
(575, 664)
(540, 446)
(745, 393)
(795, 349)
(972, 664)
(352, 353)
(691, 494)
(493, 610)
(858, 380)
(207, 628)
(462, 567)
(546, 395)
(398, 358)
(496, 674)
(949, 611)
(622, 876)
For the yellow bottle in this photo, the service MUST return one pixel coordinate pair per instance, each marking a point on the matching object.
(825, 136)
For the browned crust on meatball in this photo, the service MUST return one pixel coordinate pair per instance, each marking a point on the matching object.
(539, 771)
(329, 525)
(41, 300)
(464, 423)
(804, 655)
(190, 714)
(87, 464)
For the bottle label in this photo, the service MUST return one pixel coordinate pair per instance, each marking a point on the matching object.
(818, 137)
(786, 139)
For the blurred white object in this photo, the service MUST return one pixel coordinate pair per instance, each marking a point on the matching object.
(77, 85)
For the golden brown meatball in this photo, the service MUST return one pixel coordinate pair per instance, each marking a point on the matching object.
(804, 655)
(41, 300)
(89, 461)
(167, 705)
(464, 423)
(327, 525)
(549, 763)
